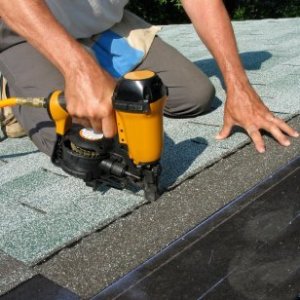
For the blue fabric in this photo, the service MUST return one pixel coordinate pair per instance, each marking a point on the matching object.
(115, 55)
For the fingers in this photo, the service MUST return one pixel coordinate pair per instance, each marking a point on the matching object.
(96, 125)
(109, 126)
(226, 130)
(278, 134)
(104, 123)
(285, 127)
(276, 127)
(93, 123)
(257, 139)
(84, 122)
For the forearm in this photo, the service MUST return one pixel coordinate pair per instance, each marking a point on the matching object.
(34, 21)
(213, 26)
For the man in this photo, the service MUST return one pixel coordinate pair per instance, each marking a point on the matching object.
(53, 58)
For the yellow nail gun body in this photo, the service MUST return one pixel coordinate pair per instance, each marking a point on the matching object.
(131, 158)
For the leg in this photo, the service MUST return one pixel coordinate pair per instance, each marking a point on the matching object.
(190, 91)
(30, 74)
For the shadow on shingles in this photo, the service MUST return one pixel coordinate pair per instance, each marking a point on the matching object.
(40, 126)
(3, 157)
(103, 188)
(215, 104)
(251, 61)
(177, 159)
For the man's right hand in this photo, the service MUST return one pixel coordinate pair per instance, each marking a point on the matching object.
(89, 91)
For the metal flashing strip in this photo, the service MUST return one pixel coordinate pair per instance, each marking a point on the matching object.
(40, 288)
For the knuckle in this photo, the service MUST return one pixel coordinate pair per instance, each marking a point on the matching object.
(273, 128)
(99, 113)
(282, 123)
(251, 128)
(93, 115)
(79, 114)
(105, 111)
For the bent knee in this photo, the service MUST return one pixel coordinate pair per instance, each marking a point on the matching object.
(193, 103)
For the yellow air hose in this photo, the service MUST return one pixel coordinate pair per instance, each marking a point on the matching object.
(35, 102)
(8, 102)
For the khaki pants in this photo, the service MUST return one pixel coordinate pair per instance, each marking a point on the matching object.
(29, 74)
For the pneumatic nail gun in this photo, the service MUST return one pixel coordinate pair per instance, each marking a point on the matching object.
(132, 158)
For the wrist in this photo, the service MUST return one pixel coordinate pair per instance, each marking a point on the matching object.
(74, 60)
(236, 82)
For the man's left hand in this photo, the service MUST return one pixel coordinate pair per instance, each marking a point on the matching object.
(245, 108)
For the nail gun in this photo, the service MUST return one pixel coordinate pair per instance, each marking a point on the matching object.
(131, 159)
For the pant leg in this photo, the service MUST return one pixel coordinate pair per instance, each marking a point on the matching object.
(29, 74)
(190, 91)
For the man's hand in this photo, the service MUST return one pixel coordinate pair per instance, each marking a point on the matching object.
(253, 115)
(89, 91)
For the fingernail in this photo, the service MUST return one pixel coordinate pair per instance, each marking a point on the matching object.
(262, 150)
(296, 134)
(287, 143)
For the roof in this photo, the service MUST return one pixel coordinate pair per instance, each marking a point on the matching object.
(49, 217)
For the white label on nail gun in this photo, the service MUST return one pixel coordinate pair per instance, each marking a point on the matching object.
(90, 134)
